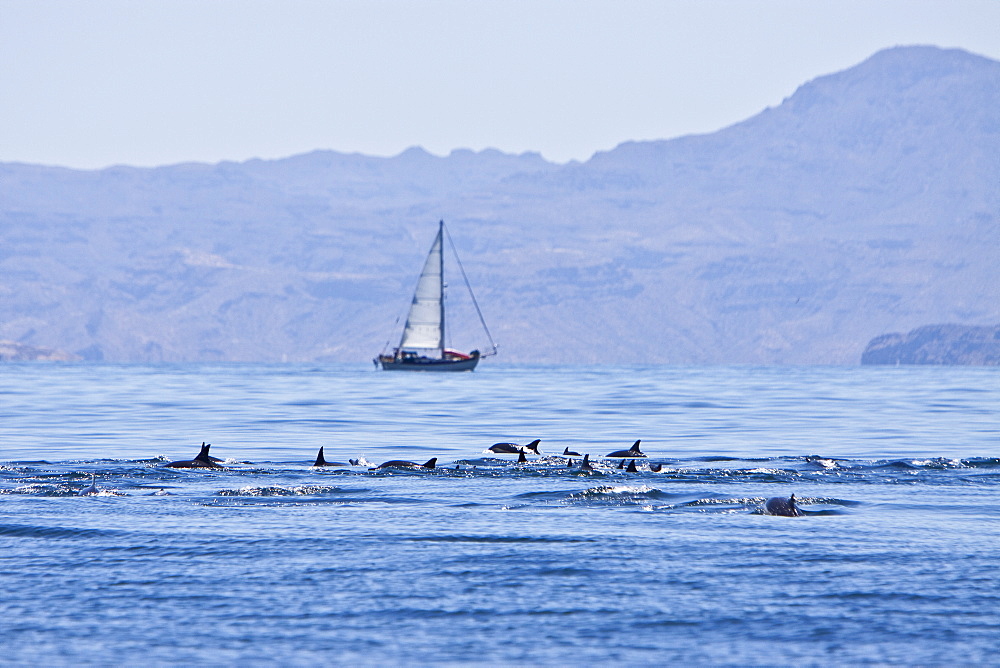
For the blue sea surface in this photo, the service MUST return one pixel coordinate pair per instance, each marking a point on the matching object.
(484, 561)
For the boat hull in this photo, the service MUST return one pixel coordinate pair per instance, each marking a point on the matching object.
(427, 364)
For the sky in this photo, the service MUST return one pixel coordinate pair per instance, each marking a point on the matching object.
(89, 84)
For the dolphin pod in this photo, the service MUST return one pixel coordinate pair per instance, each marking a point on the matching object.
(777, 506)
(205, 460)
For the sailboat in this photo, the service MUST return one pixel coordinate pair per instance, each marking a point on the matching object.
(422, 346)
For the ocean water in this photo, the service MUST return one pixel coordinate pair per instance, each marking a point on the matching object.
(484, 561)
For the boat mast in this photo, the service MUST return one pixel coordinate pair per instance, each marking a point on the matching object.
(441, 283)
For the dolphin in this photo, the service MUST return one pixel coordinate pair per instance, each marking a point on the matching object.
(621, 464)
(779, 505)
(511, 448)
(321, 460)
(401, 464)
(631, 452)
(90, 491)
(569, 463)
(521, 459)
(585, 463)
(631, 467)
(569, 453)
(655, 468)
(202, 461)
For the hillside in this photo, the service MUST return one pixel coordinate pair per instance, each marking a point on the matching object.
(937, 344)
(865, 203)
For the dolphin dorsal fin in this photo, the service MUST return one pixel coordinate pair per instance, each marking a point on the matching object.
(203, 455)
(631, 467)
(534, 444)
(430, 463)
(635, 446)
(521, 458)
(320, 460)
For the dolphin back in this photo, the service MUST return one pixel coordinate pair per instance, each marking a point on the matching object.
(782, 507)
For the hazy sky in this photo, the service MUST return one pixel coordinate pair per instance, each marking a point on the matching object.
(90, 83)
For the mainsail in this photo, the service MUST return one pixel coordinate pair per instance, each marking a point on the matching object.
(424, 328)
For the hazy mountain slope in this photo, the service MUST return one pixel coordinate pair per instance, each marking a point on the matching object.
(867, 202)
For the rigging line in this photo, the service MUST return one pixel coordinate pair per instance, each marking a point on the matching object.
(471, 293)
(389, 340)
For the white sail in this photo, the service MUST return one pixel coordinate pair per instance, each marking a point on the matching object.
(425, 323)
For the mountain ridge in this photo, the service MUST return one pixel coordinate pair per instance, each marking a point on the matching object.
(864, 203)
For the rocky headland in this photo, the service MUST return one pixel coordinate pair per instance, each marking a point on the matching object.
(937, 344)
